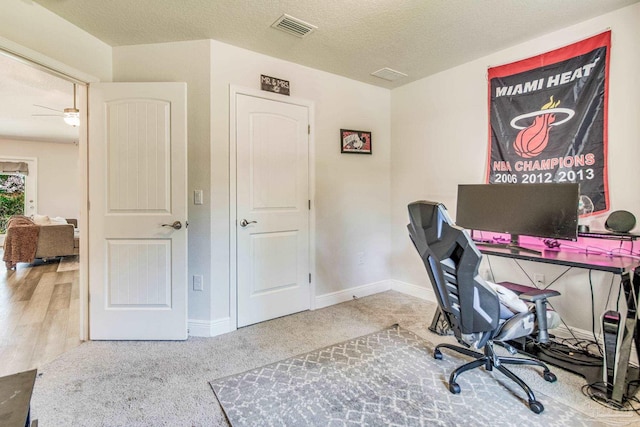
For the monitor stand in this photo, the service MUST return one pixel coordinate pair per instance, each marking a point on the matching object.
(513, 245)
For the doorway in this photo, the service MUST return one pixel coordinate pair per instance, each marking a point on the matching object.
(41, 301)
(272, 219)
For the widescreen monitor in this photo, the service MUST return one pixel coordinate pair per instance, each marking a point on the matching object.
(539, 210)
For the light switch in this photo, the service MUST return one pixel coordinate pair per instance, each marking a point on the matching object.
(197, 197)
(197, 282)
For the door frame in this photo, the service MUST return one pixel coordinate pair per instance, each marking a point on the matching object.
(234, 91)
(81, 79)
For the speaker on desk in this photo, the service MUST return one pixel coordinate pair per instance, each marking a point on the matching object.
(611, 333)
(620, 222)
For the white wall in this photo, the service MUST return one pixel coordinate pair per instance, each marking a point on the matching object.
(58, 174)
(26, 24)
(352, 191)
(439, 134)
(183, 62)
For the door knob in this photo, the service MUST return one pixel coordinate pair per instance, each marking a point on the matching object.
(177, 225)
(244, 222)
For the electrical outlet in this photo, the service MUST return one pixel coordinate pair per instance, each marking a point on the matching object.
(538, 279)
(197, 282)
(360, 258)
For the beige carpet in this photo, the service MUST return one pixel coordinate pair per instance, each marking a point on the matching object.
(166, 383)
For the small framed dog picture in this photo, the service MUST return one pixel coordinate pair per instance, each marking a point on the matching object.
(355, 141)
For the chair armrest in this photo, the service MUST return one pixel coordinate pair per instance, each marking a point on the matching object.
(527, 293)
(538, 294)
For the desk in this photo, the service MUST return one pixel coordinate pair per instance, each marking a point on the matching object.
(622, 266)
(15, 398)
(567, 257)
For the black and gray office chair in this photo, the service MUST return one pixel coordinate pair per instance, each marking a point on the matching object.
(469, 305)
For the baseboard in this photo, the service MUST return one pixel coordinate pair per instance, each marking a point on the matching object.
(563, 332)
(414, 290)
(337, 297)
(199, 328)
(205, 328)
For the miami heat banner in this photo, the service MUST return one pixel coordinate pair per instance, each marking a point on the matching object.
(548, 120)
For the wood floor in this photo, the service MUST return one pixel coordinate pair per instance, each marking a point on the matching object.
(39, 317)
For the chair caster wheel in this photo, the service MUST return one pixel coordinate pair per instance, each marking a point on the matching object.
(550, 377)
(437, 354)
(455, 388)
(536, 406)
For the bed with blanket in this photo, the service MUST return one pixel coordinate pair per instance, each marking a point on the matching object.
(26, 240)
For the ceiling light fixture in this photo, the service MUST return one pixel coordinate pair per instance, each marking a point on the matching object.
(71, 116)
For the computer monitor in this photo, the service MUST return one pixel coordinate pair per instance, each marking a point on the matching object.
(539, 210)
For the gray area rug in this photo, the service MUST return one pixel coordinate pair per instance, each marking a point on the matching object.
(388, 378)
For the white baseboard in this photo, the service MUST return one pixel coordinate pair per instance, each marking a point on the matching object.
(562, 332)
(199, 328)
(414, 290)
(347, 294)
(205, 328)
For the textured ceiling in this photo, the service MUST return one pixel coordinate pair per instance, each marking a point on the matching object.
(354, 37)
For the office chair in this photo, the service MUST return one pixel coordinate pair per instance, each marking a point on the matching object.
(470, 305)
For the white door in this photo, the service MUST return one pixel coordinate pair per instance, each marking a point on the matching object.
(137, 190)
(272, 208)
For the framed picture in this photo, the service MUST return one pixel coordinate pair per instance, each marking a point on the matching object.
(355, 141)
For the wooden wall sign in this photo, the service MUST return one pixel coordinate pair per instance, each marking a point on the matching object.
(272, 84)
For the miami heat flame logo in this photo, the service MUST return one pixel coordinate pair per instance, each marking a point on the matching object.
(532, 140)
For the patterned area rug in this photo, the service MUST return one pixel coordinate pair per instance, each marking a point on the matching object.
(69, 263)
(386, 378)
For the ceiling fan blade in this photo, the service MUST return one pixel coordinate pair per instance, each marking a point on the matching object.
(48, 108)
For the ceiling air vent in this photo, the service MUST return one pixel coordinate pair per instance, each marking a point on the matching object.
(388, 74)
(293, 26)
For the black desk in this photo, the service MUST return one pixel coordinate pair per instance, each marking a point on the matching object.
(15, 396)
(620, 265)
(567, 257)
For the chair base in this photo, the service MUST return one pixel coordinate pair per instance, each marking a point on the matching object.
(490, 361)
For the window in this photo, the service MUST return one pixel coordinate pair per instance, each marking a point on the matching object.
(18, 192)
(12, 189)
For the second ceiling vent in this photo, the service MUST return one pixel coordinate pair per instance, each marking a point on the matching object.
(388, 74)
(293, 26)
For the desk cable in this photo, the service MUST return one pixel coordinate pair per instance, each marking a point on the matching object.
(596, 392)
(620, 251)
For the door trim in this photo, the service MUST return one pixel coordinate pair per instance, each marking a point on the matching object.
(234, 91)
(82, 79)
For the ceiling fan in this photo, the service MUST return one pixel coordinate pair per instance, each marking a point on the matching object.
(71, 116)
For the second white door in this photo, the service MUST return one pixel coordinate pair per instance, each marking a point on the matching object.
(272, 208)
